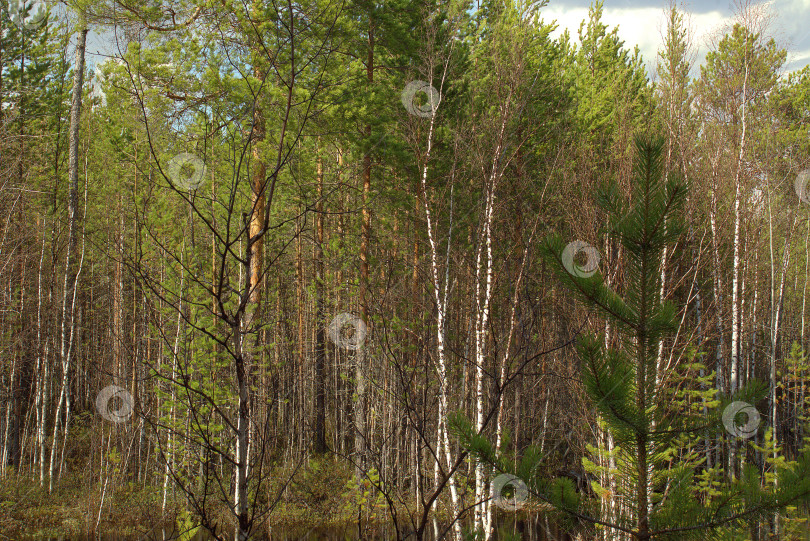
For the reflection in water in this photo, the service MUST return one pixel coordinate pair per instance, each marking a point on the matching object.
(531, 528)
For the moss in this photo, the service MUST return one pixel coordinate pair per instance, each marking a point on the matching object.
(321, 495)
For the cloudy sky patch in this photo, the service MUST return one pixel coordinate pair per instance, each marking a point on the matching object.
(643, 23)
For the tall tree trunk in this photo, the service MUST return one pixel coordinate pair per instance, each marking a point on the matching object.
(320, 338)
(118, 300)
(170, 440)
(777, 299)
(256, 232)
(440, 299)
(242, 427)
(43, 375)
(804, 289)
(483, 511)
(360, 360)
(735, 281)
(717, 285)
(245, 325)
(17, 382)
(68, 297)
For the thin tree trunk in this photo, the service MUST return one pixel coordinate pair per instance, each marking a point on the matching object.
(42, 369)
(68, 297)
(320, 338)
(804, 289)
(717, 284)
(173, 393)
(242, 427)
(360, 360)
(440, 298)
(735, 282)
(483, 511)
(774, 344)
(243, 326)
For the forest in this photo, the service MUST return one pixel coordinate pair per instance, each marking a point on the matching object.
(411, 270)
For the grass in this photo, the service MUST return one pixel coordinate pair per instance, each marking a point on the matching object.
(321, 495)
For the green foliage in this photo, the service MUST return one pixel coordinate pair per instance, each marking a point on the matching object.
(27, 61)
(740, 71)
(791, 102)
(611, 82)
(651, 424)
(187, 526)
(649, 427)
(506, 87)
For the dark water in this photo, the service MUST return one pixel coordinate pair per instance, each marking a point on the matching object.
(531, 528)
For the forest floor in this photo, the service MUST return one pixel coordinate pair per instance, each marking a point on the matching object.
(28, 511)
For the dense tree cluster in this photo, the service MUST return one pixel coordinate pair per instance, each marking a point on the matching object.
(376, 256)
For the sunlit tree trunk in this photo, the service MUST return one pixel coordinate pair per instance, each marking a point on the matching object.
(42, 372)
(483, 280)
(735, 281)
(360, 360)
(440, 299)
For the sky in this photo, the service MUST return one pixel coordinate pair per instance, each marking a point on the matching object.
(642, 23)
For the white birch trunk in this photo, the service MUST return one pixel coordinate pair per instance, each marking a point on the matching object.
(42, 370)
(442, 439)
(735, 284)
(735, 281)
(173, 394)
(482, 509)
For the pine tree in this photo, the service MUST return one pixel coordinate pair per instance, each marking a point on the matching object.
(660, 493)
(620, 380)
(610, 90)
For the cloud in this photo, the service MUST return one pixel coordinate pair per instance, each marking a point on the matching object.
(643, 23)
(793, 25)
